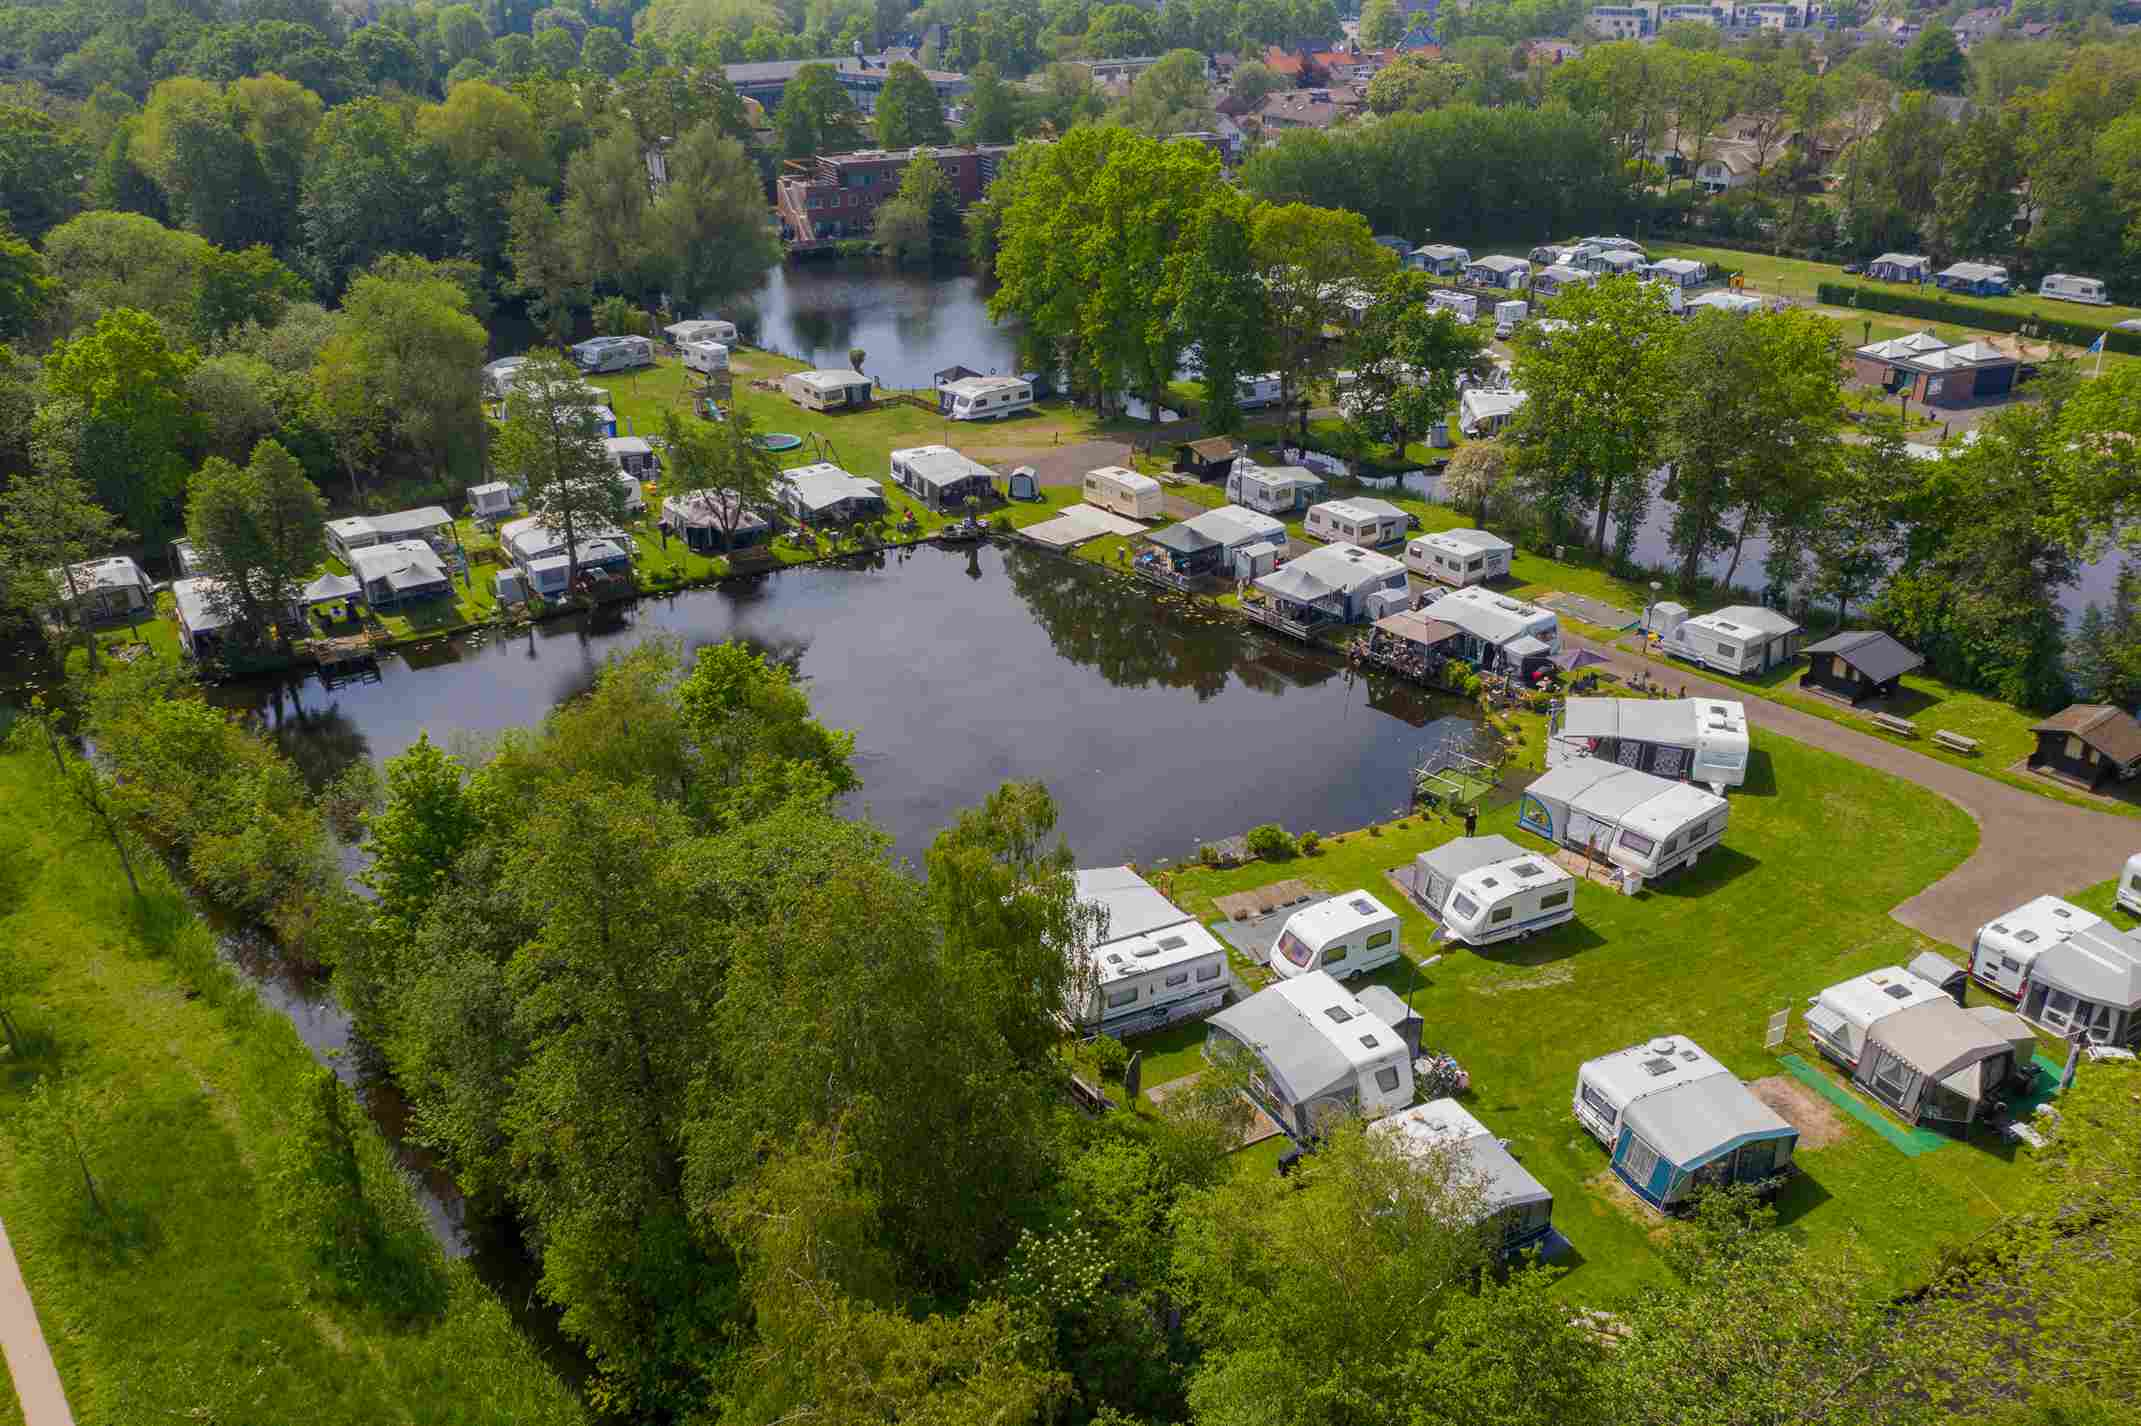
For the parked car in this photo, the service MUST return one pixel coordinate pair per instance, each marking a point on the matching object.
(1854, 268)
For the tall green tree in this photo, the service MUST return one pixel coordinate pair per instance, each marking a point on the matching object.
(922, 217)
(1311, 261)
(1407, 357)
(708, 233)
(546, 263)
(1219, 305)
(399, 382)
(607, 209)
(1172, 97)
(723, 463)
(42, 170)
(992, 108)
(1934, 61)
(1381, 26)
(366, 193)
(1589, 432)
(908, 110)
(551, 443)
(487, 142)
(816, 115)
(118, 416)
(261, 531)
(49, 522)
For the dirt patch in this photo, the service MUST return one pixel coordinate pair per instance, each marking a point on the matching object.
(1607, 1185)
(1248, 905)
(1544, 979)
(1814, 1117)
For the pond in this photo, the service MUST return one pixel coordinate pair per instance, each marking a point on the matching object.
(911, 322)
(1156, 727)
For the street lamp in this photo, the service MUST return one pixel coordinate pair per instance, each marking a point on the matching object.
(1654, 588)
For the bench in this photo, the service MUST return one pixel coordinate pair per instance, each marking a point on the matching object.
(1955, 742)
(1890, 723)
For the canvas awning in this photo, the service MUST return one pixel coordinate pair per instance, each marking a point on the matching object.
(331, 587)
(1941, 1041)
(1416, 628)
(1182, 540)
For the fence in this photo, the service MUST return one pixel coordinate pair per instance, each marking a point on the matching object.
(1965, 312)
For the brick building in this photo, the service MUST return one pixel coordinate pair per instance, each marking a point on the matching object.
(835, 196)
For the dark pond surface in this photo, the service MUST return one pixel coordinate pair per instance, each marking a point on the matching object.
(1155, 727)
(912, 323)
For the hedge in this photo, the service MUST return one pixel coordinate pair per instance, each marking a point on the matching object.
(1966, 313)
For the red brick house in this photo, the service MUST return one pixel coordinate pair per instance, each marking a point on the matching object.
(835, 196)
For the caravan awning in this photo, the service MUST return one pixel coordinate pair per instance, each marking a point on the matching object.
(1416, 628)
(1182, 539)
(330, 587)
(1941, 1041)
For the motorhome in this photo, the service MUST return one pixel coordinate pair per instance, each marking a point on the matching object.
(985, 398)
(1317, 1053)
(1363, 521)
(1699, 739)
(1743, 638)
(1344, 936)
(2068, 288)
(2005, 947)
(1460, 557)
(1637, 822)
(1263, 389)
(706, 357)
(1151, 964)
(1124, 491)
(827, 389)
(1676, 1120)
(613, 353)
(1481, 890)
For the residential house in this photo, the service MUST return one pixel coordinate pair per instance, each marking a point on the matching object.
(1729, 165)
(832, 196)
(1935, 373)
(1301, 109)
(1620, 22)
(862, 76)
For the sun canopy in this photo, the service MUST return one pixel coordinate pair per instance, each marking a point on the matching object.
(330, 587)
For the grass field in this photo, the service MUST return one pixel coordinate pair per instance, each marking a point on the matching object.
(190, 1302)
(1818, 851)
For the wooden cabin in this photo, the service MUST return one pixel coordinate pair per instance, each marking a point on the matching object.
(1208, 459)
(1860, 666)
(2088, 744)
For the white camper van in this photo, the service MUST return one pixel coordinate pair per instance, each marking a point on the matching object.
(985, 398)
(705, 356)
(1153, 965)
(1112, 487)
(2005, 948)
(1741, 639)
(613, 353)
(2129, 897)
(1343, 936)
(1460, 557)
(1255, 392)
(826, 389)
(1487, 889)
(2069, 288)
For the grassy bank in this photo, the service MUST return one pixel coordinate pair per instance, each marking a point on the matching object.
(191, 1299)
(1818, 851)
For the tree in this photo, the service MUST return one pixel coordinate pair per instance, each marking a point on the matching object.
(707, 232)
(1975, 203)
(1407, 357)
(1254, 81)
(1413, 85)
(1591, 424)
(260, 531)
(755, 742)
(546, 265)
(607, 208)
(487, 143)
(1171, 97)
(49, 522)
(279, 118)
(191, 144)
(462, 34)
(1934, 61)
(816, 115)
(25, 291)
(416, 838)
(364, 192)
(405, 362)
(100, 261)
(1311, 260)
(233, 288)
(1750, 423)
(605, 52)
(41, 171)
(1118, 30)
(119, 416)
(1477, 474)
(922, 217)
(722, 464)
(553, 446)
(992, 108)
(1218, 303)
(908, 110)
(1381, 26)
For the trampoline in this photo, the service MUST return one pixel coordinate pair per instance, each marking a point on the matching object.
(779, 441)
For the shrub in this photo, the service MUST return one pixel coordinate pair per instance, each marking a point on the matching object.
(1966, 311)
(1208, 854)
(1311, 842)
(1109, 1057)
(1270, 842)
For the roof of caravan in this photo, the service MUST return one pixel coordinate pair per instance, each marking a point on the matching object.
(2043, 921)
(627, 445)
(2008, 1026)
(1865, 999)
(1694, 1121)
(1726, 301)
(1975, 271)
(1614, 797)
(491, 487)
(1646, 720)
(1739, 619)
(1126, 478)
(829, 377)
(1669, 811)
(400, 522)
(2097, 964)
(1494, 617)
(1235, 525)
(1525, 870)
(1171, 946)
(1424, 1127)
(696, 328)
(941, 465)
(1937, 1037)
(1361, 507)
(1906, 259)
(1871, 652)
(1440, 251)
(981, 385)
(1465, 854)
(111, 572)
(1498, 263)
(1933, 968)
(1326, 921)
(1134, 906)
(1679, 265)
(822, 483)
(1310, 1050)
(1469, 541)
(403, 564)
(197, 607)
(1183, 539)
(1344, 565)
(1298, 582)
(1283, 476)
(1621, 258)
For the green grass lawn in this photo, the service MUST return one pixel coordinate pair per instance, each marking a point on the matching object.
(197, 1306)
(1818, 851)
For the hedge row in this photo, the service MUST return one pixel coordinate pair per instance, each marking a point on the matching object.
(1967, 313)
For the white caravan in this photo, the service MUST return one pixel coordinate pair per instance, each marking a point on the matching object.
(2129, 897)
(1124, 491)
(1343, 936)
(708, 357)
(1508, 316)
(1254, 392)
(1151, 964)
(613, 353)
(1741, 639)
(2006, 947)
(1460, 557)
(2068, 288)
(1633, 820)
(985, 398)
(700, 329)
(1487, 889)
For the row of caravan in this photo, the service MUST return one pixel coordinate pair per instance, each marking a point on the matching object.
(1696, 739)
(2065, 969)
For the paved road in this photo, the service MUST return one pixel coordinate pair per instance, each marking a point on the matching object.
(2027, 845)
(23, 1342)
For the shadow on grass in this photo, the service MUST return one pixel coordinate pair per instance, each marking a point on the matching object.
(1563, 941)
(1720, 866)
(1761, 779)
(1799, 1197)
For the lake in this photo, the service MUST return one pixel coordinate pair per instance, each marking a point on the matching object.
(1155, 726)
(912, 322)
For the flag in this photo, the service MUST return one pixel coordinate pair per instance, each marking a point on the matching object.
(2096, 348)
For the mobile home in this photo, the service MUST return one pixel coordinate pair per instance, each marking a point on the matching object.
(823, 493)
(1517, 1208)
(1508, 316)
(1151, 964)
(1499, 632)
(700, 329)
(1340, 582)
(1461, 304)
(400, 572)
(1508, 273)
(1910, 1046)
(1559, 278)
(1481, 890)
(1481, 412)
(2088, 985)
(1438, 259)
(537, 549)
(1344, 936)
(613, 353)
(1901, 267)
(354, 532)
(827, 389)
(709, 358)
(985, 398)
(1637, 822)
(1676, 1120)
(1460, 557)
(1275, 490)
(1367, 522)
(1112, 487)
(1317, 1053)
(940, 477)
(2068, 288)
(94, 590)
(1679, 271)
(2005, 947)
(1742, 638)
(709, 523)
(204, 616)
(1697, 739)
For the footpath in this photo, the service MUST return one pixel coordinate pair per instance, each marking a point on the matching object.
(2027, 845)
(29, 1361)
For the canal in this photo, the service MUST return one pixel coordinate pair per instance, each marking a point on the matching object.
(1156, 726)
(911, 322)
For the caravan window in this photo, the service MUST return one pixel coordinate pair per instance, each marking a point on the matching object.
(1386, 1079)
(1334, 955)
(1296, 950)
(1501, 914)
(1380, 938)
(1180, 977)
(1642, 1159)
(1730, 651)
(1636, 842)
(1463, 906)
(1122, 997)
(1597, 1103)
(1472, 566)
(2009, 963)
(1553, 899)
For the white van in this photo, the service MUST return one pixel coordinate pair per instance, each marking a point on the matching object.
(613, 353)
(986, 398)
(1487, 889)
(1343, 936)
(1124, 491)
(706, 356)
(2005, 948)
(1260, 390)
(2068, 288)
